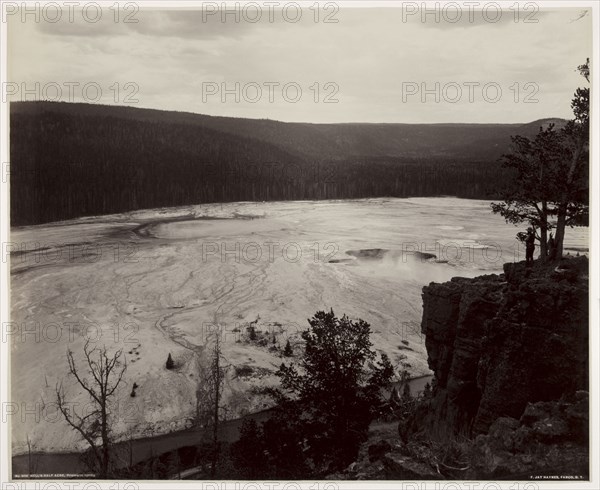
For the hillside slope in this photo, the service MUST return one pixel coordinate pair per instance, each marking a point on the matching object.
(71, 159)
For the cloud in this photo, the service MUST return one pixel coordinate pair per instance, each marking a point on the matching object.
(369, 56)
(183, 23)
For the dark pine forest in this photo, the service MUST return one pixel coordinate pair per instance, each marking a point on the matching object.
(69, 160)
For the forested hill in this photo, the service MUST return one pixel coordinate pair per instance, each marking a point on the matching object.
(69, 160)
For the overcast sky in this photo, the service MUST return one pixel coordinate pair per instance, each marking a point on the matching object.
(373, 62)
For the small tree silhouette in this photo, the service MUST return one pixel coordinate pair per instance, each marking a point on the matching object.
(170, 362)
(427, 392)
(288, 351)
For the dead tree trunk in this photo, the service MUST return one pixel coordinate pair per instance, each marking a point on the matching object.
(217, 377)
(106, 374)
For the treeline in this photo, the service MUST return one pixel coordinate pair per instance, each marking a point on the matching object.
(394, 177)
(71, 160)
(66, 166)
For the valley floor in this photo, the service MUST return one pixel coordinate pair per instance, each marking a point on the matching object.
(161, 281)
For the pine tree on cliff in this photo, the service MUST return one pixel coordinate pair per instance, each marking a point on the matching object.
(573, 201)
(529, 196)
(550, 176)
(338, 388)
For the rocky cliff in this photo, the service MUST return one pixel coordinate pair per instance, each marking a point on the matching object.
(510, 396)
(499, 342)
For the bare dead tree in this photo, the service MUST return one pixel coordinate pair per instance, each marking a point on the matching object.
(31, 467)
(217, 376)
(209, 392)
(106, 375)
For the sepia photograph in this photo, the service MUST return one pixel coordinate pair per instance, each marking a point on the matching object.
(293, 245)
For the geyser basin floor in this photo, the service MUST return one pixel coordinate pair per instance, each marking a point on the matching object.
(164, 290)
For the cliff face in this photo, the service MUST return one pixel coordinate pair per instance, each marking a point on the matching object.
(510, 357)
(499, 342)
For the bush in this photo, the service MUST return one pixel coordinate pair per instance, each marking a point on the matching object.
(170, 363)
(244, 370)
(288, 351)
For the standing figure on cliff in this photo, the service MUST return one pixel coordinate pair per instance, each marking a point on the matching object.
(551, 247)
(529, 246)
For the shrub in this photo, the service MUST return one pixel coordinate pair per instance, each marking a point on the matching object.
(244, 370)
(288, 351)
(170, 363)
